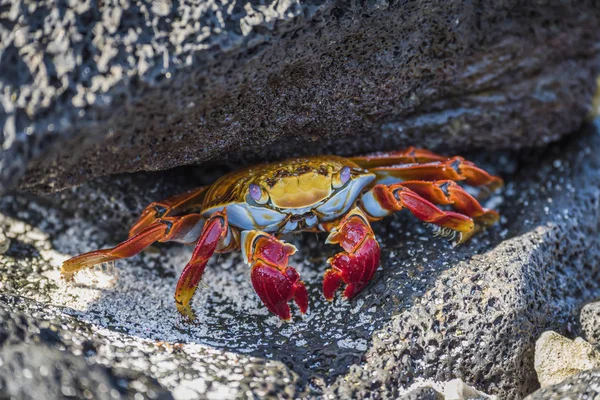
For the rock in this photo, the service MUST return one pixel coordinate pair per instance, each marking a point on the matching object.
(35, 364)
(456, 389)
(589, 318)
(91, 89)
(433, 312)
(4, 243)
(582, 386)
(557, 358)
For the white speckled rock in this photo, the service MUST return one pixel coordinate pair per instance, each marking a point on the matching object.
(557, 357)
(589, 319)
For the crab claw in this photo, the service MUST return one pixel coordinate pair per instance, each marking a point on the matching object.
(274, 281)
(276, 288)
(356, 266)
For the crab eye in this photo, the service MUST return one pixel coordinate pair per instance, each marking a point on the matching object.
(256, 193)
(341, 177)
(345, 175)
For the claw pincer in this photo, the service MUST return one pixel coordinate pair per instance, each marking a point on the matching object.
(274, 281)
(357, 264)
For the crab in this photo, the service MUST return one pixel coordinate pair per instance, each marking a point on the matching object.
(251, 209)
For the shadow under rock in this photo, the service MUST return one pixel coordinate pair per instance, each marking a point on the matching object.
(333, 336)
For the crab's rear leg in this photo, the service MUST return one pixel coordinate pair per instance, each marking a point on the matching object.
(185, 229)
(357, 264)
(274, 281)
(419, 164)
(383, 200)
(447, 192)
(168, 207)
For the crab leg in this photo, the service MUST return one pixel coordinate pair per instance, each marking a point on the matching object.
(357, 264)
(274, 281)
(410, 155)
(384, 200)
(162, 230)
(172, 205)
(449, 193)
(214, 232)
(419, 164)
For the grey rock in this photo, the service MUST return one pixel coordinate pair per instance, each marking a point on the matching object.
(96, 88)
(423, 393)
(36, 363)
(589, 318)
(583, 386)
(432, 311)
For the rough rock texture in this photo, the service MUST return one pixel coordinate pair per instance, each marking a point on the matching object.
(51, 359)
(557, 357)
(89, 89)
(432, 312)
(583, 386)
(589, 319)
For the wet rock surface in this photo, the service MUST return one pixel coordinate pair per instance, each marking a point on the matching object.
(91, 90)
(432, 311)
(583, 386)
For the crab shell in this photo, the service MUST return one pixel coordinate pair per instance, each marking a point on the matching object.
(294, 196)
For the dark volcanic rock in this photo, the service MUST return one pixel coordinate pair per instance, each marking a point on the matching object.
(432, 311)
(583, 386)
(38, 362)
(90, 90)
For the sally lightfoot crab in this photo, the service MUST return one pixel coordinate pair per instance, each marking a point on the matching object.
(252, 208)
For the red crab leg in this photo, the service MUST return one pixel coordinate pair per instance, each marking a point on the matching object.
(448, 192)
(274, 281)
(357, 264)
(172, 205)
(384, 200)
(419, 164)
(163, 230)
(214, 232)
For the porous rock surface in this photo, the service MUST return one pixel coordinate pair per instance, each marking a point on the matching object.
(432, 311)
(589, 319)
(583, 386)
(93, 88)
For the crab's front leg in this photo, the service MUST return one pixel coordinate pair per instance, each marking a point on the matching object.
(357, 264)
(274, 281)
(215, 233)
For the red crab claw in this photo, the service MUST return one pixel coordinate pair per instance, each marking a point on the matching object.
(274, 281)
(356, 266)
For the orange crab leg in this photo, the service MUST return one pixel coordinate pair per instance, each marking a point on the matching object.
(456, 169)
(162, 230)
(213, 232)
(357, 264)
(384, 200)
(172, 205)
(449, 193)
(274, 281)
(410, 155)
(420, 164)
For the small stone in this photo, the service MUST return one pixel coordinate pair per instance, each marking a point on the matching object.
(456, 389)
(4, 243)
(557, 357)
(589, 318)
